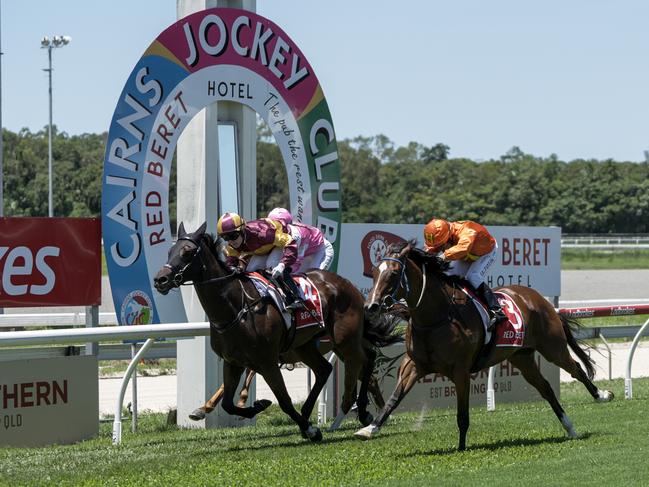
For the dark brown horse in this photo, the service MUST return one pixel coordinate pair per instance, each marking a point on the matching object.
(248, 331)
(325, 347)
(446, 334)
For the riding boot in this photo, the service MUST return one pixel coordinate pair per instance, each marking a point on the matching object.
(496, 313)
(293, 300)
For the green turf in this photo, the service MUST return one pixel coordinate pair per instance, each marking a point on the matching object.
(587, 259)
(521, 444)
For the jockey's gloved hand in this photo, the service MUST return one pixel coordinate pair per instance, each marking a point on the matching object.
(278, 270)
(237, 270)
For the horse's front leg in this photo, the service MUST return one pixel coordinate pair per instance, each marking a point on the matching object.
(273, 376)
(462, 382)
(407, 378)
(231, 376)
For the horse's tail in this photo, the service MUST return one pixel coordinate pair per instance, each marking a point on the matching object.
(570, 325)
(381, 330)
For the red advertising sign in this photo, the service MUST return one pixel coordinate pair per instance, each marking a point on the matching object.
(50, 262)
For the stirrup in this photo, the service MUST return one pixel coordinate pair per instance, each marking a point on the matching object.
(496, 318)
(297, 304)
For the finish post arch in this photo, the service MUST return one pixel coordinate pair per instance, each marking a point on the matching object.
(221, 57)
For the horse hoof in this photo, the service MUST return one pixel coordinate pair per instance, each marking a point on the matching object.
(605, 396)
(262, 405)
(197, 415)
(312, 433)
(366, 419)
(367, 433)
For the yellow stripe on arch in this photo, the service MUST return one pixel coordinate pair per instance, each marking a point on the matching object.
(317, 97)
(158, 49)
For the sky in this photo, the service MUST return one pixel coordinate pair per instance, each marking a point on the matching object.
(563, 77)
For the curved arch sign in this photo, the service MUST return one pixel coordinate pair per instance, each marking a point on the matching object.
(214, 55)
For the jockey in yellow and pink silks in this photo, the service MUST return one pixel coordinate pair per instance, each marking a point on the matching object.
(314, 251)
(261, 244)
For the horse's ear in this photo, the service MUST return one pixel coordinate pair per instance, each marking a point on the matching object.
(181, 230)
(201, 229)
(406, 250)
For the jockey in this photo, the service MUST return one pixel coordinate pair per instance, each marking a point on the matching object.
(261, 244)
(314, 251)
(471, 250)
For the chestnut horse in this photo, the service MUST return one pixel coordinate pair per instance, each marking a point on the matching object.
(446, 334)
(248, 331)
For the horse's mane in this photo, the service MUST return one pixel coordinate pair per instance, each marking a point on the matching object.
(420, 257)
(215, 245)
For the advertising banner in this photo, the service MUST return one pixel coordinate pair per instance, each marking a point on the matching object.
(48, 401)
(50, 262)
(437, 391)
(527, 256)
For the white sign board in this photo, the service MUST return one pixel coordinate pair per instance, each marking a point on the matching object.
(527, 256)
(437, 391)
(48, 401)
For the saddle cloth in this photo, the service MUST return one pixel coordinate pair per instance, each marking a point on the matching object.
(510, 332)
(311, 316)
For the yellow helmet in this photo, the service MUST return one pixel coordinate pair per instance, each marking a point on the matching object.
(229, 223)
(436, 233)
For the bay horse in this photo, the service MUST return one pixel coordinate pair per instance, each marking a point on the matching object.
(248, 331)
(446, 334)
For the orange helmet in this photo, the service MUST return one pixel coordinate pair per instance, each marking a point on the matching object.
(436, 233)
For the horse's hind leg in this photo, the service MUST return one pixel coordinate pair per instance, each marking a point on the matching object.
(200, 413)
(273, 376)
(362, 401)
(560, 356)
(311, 357)
(524, 361)
(375, 390)
(245, 390)
(231, 376)
(209, 406)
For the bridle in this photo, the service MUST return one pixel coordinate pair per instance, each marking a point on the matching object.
(178, 277)
(402, 283)
(248, 302)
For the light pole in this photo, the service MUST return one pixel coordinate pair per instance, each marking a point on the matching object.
(46, 43)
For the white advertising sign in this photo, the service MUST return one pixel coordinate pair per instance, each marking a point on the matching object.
(438, 391)
(527, 256)
(48, 401)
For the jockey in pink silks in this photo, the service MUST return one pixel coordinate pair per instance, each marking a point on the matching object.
(314, 251)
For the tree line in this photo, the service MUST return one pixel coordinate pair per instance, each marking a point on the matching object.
(380, 182)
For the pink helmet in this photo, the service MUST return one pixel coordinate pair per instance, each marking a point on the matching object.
(281, 214)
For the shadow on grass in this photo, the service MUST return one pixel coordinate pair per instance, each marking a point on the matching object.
(498, 445)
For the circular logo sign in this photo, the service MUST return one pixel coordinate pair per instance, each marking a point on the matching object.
(136, 309)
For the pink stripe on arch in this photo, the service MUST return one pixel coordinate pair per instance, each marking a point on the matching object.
(298, 96)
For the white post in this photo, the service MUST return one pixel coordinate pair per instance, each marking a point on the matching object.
(117, 421)
(199, 370)
(491, 393)
(628, 386)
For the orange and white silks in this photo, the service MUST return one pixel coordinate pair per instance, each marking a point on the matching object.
(469, 240)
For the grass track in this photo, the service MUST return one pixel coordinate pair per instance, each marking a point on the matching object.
(519, 444)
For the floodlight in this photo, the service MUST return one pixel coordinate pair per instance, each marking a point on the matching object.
(45, 41)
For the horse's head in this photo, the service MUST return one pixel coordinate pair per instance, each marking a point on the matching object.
(183, 263)
(389, 278)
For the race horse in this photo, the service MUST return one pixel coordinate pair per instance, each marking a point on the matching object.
(248, 330)
(446, 334)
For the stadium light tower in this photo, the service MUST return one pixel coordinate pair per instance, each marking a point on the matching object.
(49, 44)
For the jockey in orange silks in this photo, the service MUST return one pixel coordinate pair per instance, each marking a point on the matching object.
(470, 250)
(261, 244)
(314, 251)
